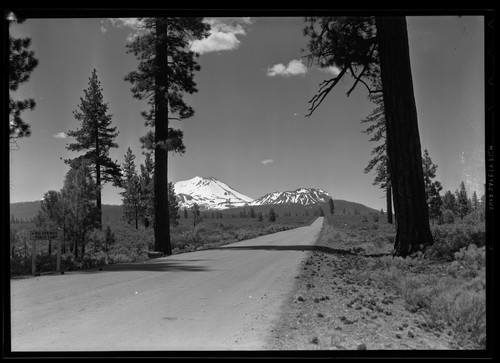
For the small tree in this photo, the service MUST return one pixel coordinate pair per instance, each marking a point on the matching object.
(195, 209)
(259, 217)
(462, 201)
(435, 201)
(272, 215)
(449, 202)
(109, 239)
(132, 190)
(475, 201)
(331, 206)
(147, 190)
(50, 214)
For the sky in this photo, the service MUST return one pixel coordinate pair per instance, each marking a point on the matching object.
(249, 129)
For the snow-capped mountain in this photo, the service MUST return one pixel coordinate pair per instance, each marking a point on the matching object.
(304, 196)
(209, 193)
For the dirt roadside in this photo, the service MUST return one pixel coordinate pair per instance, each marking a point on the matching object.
(331, 308)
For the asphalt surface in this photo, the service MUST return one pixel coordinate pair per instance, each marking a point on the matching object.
(220, 299)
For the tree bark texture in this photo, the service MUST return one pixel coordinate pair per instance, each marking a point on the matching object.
(162, 220)
(403, 140)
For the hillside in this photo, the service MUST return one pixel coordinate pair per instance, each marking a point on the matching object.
(111, 214)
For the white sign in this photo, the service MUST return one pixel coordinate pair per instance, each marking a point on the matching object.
(43, 235)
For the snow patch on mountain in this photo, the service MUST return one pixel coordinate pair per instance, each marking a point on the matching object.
(209, 193)
(304, 196)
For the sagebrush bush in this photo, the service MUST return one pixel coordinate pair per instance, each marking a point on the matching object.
(449, 239)
(468, 262)
(464, 308)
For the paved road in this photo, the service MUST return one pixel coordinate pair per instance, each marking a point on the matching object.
(220, 299)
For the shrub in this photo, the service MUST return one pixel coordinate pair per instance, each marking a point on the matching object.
(464, 308)
(449, 239)
(468, 262)
(475, 217)
(448, 216)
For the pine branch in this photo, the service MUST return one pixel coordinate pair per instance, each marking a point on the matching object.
(323, 91)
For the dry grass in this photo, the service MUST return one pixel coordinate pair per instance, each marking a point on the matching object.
(447, 283)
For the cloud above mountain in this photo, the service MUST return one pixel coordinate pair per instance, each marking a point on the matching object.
(223, 35)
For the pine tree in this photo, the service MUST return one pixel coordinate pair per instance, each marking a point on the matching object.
(131, 196)
(272, 215)
(165, 73)
(462, 201)
(449, 202)
(173, 205)
(50, 214)
(475, 201)
(331, 205)
(96, 137)
(432, 187)
(81, 212)
(367, 48)
(195, 209)
(22, 62)
(147, 190)
(259, 217)
(434, 201)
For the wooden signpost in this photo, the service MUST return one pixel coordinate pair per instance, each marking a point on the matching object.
(44, 235)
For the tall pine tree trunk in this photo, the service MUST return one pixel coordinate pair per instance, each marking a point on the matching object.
(162, 221)
(403, 140)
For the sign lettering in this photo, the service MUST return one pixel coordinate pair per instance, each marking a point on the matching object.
(43, 235)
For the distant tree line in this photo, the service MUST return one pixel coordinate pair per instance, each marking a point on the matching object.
(15, 220)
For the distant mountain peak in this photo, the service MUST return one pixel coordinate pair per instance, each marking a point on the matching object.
(304, 196)
(209, 192)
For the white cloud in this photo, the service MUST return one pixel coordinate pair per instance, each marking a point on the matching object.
(267, 161)
(331, 69)
(222, 36)
(60, 135)
(134, 24)
(223, 32)
(297, 67)
(294, 67)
